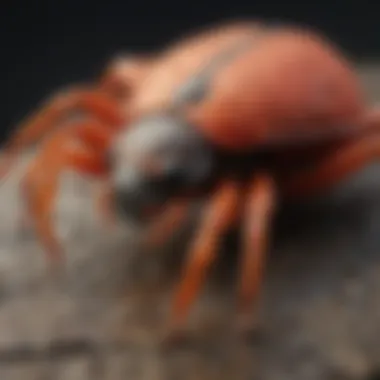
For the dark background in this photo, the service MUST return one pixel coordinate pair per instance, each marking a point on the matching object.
(47, 45)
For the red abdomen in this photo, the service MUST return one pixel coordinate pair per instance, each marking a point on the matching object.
(287, 87)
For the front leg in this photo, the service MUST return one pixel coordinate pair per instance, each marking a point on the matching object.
(56, 110)
(40, 184)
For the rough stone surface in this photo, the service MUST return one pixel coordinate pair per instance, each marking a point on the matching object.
(102, 317)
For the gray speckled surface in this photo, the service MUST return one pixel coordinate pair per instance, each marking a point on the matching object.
(101, 319)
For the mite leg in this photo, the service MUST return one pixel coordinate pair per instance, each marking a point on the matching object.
(160, 230)
(40, 186)
(346, 159)
(91, 160)
(56, 110)
(25, 220)
(41, 181)
(104, 205)
(170, 220)
(219, 215)
(259, 208)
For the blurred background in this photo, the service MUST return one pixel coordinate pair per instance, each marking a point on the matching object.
(321, 300)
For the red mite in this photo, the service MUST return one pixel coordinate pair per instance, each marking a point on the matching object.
(245, 114)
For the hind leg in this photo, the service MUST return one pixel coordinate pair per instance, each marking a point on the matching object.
(346, 159)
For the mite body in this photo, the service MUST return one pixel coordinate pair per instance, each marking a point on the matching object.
(244, 114)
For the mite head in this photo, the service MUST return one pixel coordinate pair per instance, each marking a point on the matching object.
(155, 159)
